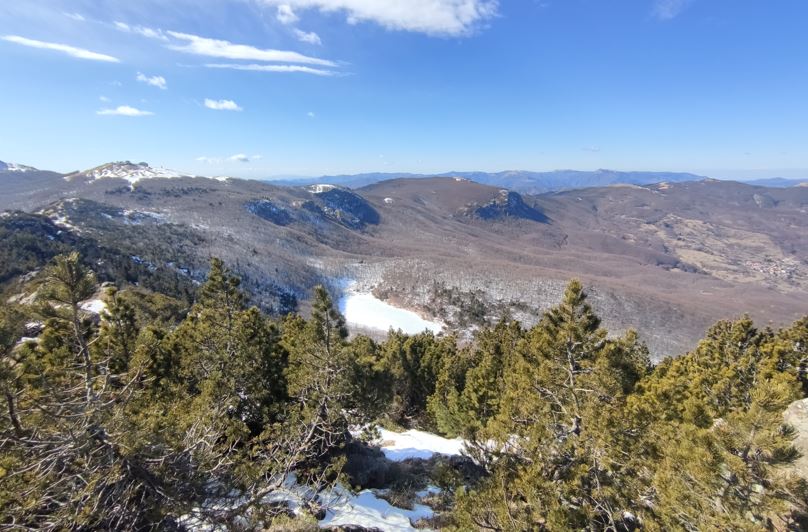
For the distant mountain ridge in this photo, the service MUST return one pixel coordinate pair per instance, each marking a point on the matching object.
(518, 180)
(668, 258)
(778, 182)
(13, 167)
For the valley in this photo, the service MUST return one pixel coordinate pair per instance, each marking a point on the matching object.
(661, 257)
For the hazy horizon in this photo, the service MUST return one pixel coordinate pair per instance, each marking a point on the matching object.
(741, 175)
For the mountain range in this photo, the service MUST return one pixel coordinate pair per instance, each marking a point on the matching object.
(669, 257)
(534, 182)
(518, 180)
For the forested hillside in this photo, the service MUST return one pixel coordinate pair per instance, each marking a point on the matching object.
(160, 415)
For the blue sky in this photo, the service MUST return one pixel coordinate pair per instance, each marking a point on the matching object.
(258, 88)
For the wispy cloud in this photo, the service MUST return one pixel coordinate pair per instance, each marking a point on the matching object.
(433, 17)
(124, 110)
(154, 81)
(75, 16)
(307, 37)
(591, 149)
(141, 30)
(195, 44)
(274, 68)
(286, 15)
(311, 114)
(669, 9)
(237, 158)
(222, 105)
(72, 51)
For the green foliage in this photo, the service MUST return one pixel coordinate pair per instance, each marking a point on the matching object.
(155, 414)
(414, 364)
(588, 436)
(470, 385)
(127, 424)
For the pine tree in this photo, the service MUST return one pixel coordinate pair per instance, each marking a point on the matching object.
(116, 341)
(556, 448)
(731, 476)
(471, 384)
(229, 355)
(66, 462)
(715, 435)
(11, 331)
(415, 363)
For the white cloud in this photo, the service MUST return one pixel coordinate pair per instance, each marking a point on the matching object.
(225, 49)
(274, 68)
(75, 16)
(237, 158)
(154, 81)
(286, 15)
(124, 110)
(311, 114)
(433, 17)
(307, 36)
(72, 51)
(104, 99)
(222, 105)
(669, 9)
(141, 30)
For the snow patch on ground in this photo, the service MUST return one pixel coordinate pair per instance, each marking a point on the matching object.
(62, 221)
(366, 510)
(95, 306)
(365, 310)
(399, 446)
(343, 508)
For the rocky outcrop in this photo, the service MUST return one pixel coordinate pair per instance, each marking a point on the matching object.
(507, 204)
(796, 415)
(342, 206)
(269, 211)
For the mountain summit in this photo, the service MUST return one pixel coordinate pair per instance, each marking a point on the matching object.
(132, 172)
(13, 167)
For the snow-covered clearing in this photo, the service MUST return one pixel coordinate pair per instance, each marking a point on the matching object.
(95, 306)
(365, 310)
(365, 509)
(342, 508)
(398, 446)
